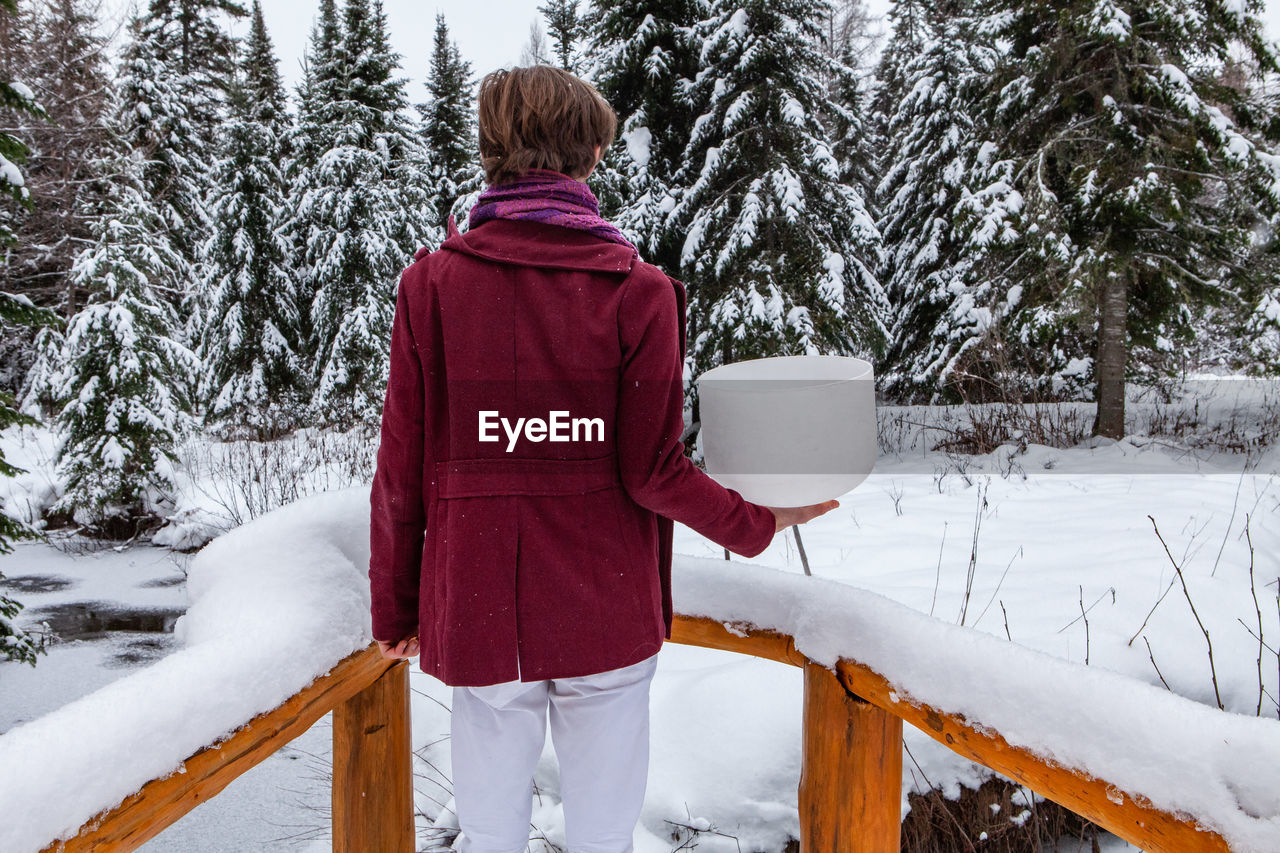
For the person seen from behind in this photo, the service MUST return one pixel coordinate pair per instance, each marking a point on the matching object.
(529, 474)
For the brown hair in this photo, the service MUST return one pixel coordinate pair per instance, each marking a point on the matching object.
(541, 117)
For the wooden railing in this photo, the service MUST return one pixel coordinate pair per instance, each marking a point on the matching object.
(850, 780)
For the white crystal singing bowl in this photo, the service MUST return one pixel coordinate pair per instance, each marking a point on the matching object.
(791, 430)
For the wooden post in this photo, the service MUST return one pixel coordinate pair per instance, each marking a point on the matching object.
(372, 768)
(851, 771)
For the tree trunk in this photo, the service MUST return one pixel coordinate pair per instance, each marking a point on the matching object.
(1113, 355)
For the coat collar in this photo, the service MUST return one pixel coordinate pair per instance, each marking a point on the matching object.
(537, 244)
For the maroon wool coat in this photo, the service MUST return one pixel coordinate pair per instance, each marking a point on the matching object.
(537, 558)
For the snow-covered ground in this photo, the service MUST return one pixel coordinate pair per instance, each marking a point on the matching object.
(1052, 549)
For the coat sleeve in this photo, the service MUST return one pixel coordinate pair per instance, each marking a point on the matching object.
(650, 421)
(398, 519)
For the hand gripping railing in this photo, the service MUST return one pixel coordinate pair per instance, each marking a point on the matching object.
(850, 781)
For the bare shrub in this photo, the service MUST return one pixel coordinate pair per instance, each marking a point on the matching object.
(978, 428)
(1236, 416)
(997, 817)
(1053, 424)
(246, 479)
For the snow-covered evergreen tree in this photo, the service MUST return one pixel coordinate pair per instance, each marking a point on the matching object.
(937, 298)
(199, 52)
(38, 394)
(448, 122)
(17, 97)
(69, 72)
(1135, 176)
(124, 371)
(847, 40)
(779, 256)
(1252, 344)
(1262, 324)
(307, 139)
(157, 123)
(468, 194)
(194, 53)
(859, 152)
(259, 81)
(253, 379)
(907, 24)
(564, 25)
(361, 209)
(642, 56)
(15, 644)
(318, 88)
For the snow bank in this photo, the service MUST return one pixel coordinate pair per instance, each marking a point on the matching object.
(274, 604)
(279, 601)
(1222, 768)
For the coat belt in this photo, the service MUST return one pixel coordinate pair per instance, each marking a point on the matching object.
(469, 478)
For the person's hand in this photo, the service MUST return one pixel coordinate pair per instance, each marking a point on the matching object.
(406, 648)
(785, 516)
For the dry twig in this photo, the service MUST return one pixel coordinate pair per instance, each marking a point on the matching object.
(1213, 672)
(1151, 655)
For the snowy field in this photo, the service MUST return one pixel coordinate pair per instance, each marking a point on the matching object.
(1052, 550)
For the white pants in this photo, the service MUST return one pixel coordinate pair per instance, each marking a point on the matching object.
(600, 730)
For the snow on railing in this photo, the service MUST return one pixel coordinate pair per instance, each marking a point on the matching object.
(1138, 742)
(282, 600)
(274, 604)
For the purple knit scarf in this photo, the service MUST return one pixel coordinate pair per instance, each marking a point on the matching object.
(542, 195)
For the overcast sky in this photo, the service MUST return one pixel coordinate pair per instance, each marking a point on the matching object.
(490, 33)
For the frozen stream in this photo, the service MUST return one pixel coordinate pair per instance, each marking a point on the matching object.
(113, 612)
